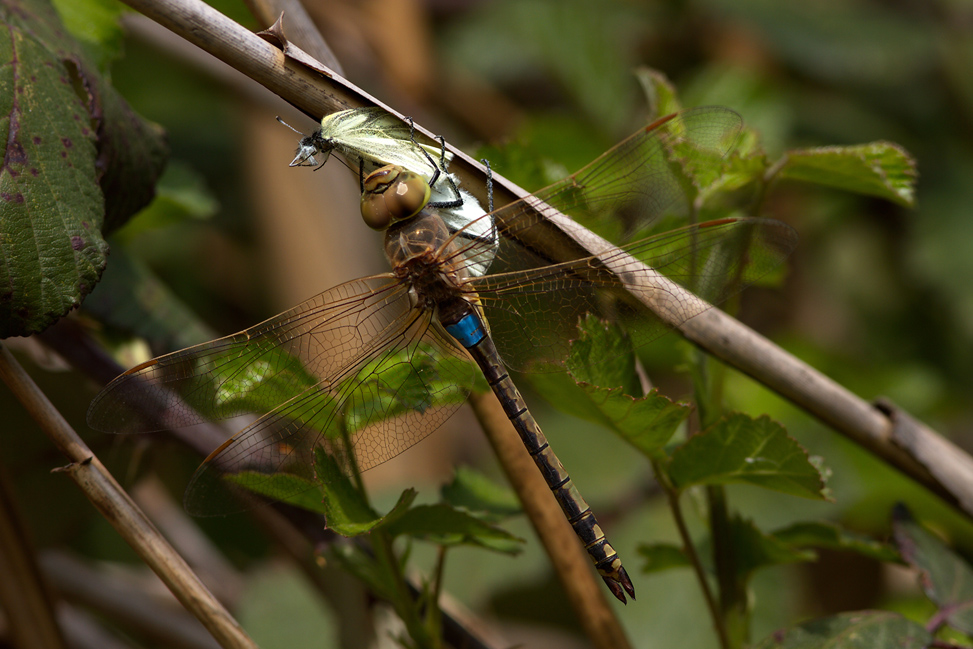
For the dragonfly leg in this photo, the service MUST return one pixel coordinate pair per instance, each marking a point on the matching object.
(437, 169)
(489, 184)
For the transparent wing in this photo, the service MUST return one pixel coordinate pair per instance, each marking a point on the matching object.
(355, 364)
(255, 370)
(533, 313)
(651, 174)
(362, 418)
(532, 305)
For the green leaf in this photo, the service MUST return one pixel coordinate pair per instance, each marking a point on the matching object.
(445, 525)
(856, 630)
(882, 169)
(662, 556)
(412, 380)
(746, 164)
(820, 534)
(300, 491)
(474, 492)
(603, 356)
(751, 451)
(659, 92)
(180, 195)
(75, 156)
(647, 423)
(95, 23)
(132, 299)
(946, 578)
(753, 549)
(256, 382)
(349, 514)
(345, 507)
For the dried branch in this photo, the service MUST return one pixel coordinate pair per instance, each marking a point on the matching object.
(116, 506)
(24, 596)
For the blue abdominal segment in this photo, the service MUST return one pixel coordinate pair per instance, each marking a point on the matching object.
(468, 331)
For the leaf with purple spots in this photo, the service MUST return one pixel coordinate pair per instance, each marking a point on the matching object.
(72, 152)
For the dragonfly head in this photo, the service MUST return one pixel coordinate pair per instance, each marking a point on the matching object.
(392, 194)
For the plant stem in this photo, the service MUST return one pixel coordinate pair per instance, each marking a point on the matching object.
(434, 615)
(673, 497)
(405, 605)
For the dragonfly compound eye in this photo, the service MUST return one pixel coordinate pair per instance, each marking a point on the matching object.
(392, 194)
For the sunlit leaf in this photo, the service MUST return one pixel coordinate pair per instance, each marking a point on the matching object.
(602, 355)
(880, 169)
(301, 492)
(602, 363)
(659, 92)
(346, 507)
(404, 382)
(744, 450)
(256, 382)
(95, 23)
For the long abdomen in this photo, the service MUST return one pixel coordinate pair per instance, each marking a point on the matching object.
(470, 333)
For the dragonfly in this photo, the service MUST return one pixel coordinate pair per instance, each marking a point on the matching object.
(372, 137)
(359, 373)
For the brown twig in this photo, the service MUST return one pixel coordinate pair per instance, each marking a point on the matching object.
(120, 596)
(119, 509)
(25, 599)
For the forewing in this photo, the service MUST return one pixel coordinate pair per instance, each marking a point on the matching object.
(256, 370)
(651, 174)
(363, 417)
(532, 305)
(533, 313)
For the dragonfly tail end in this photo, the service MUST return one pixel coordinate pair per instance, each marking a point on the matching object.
(619, 584)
